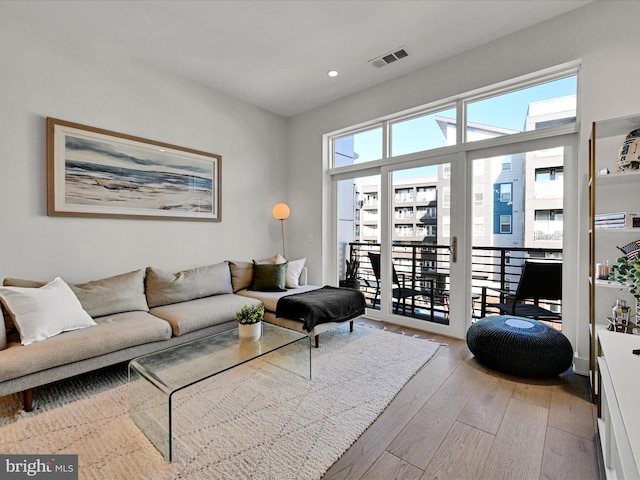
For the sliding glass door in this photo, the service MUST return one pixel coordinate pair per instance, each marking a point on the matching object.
(399, 225)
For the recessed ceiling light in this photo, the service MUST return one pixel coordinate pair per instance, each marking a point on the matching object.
(332, 73)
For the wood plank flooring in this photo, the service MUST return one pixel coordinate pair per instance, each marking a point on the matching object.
(456, 419)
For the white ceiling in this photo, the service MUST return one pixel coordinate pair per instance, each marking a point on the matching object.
(273, 53)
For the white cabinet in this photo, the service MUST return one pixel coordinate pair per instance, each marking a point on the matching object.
(619, 419)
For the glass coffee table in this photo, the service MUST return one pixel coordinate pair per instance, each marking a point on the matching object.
(155, 378)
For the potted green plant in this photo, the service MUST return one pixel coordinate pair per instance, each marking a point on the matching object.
(627, 272)
(351, 275)
(249, 319)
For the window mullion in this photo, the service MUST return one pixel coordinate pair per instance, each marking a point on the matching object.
(461, 121)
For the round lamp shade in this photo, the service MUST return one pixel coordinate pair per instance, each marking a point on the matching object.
(281, 211)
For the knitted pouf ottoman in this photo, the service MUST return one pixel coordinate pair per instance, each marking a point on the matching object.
(519, 346)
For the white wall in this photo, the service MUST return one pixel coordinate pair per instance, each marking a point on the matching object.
(41, 76)
(602, 34)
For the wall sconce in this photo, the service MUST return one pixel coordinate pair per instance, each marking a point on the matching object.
(281, 212)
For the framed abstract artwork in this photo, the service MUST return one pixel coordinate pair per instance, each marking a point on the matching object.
(93, 172)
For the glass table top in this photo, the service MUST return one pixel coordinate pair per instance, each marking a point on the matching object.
(183, 365)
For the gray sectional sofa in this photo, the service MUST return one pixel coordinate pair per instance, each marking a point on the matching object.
(137, 313)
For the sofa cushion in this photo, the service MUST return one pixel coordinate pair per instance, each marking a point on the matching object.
(270, 299)
(117, 294)
(294, 270)
(163, 288)
(112, 333)
(40, 313)
(16, 282)
(242, 272)
(241, 275)
(269, 278)
(186, 317)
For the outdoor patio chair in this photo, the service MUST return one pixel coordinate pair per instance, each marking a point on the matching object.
(540, 281)
(402, 291)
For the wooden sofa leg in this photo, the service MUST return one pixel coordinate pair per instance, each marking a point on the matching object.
(317, 341)
(351, 326)
(27, 400)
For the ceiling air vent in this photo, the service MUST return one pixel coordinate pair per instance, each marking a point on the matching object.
(388, 58)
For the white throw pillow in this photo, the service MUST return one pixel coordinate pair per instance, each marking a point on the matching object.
(294, 269)
(43, 312)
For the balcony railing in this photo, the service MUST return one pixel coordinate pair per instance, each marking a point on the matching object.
(427, 268)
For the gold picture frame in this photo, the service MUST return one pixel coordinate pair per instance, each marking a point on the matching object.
(93, 172)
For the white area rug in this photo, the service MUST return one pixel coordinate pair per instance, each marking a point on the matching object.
(257, 421)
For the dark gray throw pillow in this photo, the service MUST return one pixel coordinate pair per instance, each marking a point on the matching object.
(268, 277)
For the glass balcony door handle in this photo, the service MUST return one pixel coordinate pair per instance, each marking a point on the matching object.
(453, 249)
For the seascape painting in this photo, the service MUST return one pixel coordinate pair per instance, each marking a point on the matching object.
(99, 173)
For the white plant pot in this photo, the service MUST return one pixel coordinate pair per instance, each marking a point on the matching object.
(250, 332)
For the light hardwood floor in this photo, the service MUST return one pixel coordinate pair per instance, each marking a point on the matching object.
(456, 419)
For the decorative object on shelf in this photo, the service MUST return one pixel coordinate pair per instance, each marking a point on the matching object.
(351, 275)
(626, 271)
(629, 155)
(610, 220)
(249, 319)
(93, 172)
(281, 211)
(620, 312)
(603, 270)
(620, 320)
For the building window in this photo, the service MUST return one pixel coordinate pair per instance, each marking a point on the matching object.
(505, 192)
(404, 231)
(549, 174)
(404, 212)
(548, 215)
(446, 226)
(506, 163)
(446, 196)
(478, 167)
(446, 170)
(425, 194)
(426, 213)
(505, 223)
(478, 194)
(478, 226)
(404, 195)
(370, 199)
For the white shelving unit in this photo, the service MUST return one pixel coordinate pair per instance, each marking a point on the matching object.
(613, 367)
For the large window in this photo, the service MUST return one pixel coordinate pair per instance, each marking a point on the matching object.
(422, 177)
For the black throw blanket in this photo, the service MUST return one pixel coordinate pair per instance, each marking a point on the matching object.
(326, 304)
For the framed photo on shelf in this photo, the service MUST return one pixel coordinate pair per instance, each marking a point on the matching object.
(93, 172)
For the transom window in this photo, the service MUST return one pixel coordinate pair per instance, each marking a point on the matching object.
(489, 115)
